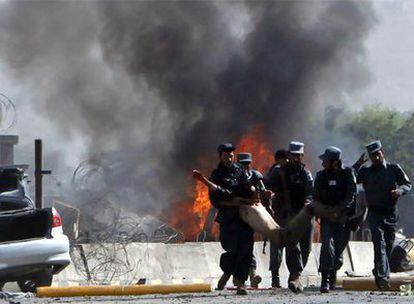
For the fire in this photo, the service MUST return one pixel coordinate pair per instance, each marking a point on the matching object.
(201, 204)
(190, 215)
(255, 143)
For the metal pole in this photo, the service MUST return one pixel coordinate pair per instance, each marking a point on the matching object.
(39, 174)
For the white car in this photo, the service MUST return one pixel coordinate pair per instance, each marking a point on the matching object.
(32, 245)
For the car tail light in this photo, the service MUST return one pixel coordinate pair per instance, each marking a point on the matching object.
(56, 220)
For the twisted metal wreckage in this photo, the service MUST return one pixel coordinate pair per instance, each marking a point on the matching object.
(100, 230)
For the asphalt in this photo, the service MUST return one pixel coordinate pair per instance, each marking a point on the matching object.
(226, 297)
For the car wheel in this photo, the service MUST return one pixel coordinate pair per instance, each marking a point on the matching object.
(42, 278)
(27, 285)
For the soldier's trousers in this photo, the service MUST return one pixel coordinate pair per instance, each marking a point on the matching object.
(237, 242)
(334, 237)
(383, 227)
(296, 255)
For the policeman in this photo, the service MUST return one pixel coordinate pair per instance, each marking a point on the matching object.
(383, 183)
(255, 178)
(335, 187)
(236, 236)
(272, 178)
(292, 185)
(281, 158)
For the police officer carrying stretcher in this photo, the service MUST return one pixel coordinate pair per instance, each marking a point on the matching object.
(248, 178)
(236, 236)
(292, 185)
(335, 188)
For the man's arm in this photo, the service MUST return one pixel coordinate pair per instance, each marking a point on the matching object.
(272, 179)
(222, 197)
(317, 188)
(360, 162)
(350, 189)
(404, 184)
(220, 194)
(258, 181)
(308, 187)
(360, 175)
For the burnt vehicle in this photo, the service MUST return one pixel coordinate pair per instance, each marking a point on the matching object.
(32, 245)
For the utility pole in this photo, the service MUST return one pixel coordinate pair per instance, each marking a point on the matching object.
(39, 172)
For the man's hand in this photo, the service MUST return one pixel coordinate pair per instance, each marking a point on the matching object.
(395, 194)
(268, 194)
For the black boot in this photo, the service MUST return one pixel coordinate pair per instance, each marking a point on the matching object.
(223, 281)
(383, 284)
(254, 278)
(241, 288)
(332, 280)
(294, 282)
(325, 283)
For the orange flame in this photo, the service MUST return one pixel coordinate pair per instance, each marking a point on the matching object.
(255, 143)
(190, 216)
(201, 204)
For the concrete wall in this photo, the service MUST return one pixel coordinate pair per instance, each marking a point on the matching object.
(189, 263)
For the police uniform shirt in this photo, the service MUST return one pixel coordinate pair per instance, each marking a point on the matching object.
(334, 188)
(300, 185)
(227, 180)
(378, 182)
(292, 178)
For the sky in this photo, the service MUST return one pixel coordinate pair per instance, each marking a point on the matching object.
(390, 56)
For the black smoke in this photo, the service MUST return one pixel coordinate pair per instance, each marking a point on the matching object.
(152, 86)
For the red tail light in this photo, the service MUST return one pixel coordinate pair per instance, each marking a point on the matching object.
(56, 220)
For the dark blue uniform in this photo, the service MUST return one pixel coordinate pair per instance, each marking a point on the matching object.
(292, 186)
(378, 182)
(336, 189)
(254, 178)
(236, 236)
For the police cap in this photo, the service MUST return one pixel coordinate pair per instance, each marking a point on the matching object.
(244, 158)
(374, 146)
(331, 153)
(226, 147)
(296, 147)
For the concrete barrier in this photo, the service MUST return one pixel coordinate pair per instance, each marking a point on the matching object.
(189, 263)
(362, 255)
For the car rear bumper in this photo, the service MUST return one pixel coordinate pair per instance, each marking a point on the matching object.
(53, 252)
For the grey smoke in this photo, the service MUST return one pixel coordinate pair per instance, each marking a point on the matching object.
(153, 86)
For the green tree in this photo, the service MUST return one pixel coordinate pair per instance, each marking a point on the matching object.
(393, 128)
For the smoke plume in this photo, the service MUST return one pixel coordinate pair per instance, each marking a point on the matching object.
(146, 89)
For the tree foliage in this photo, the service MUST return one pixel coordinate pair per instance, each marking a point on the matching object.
(395, 130)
